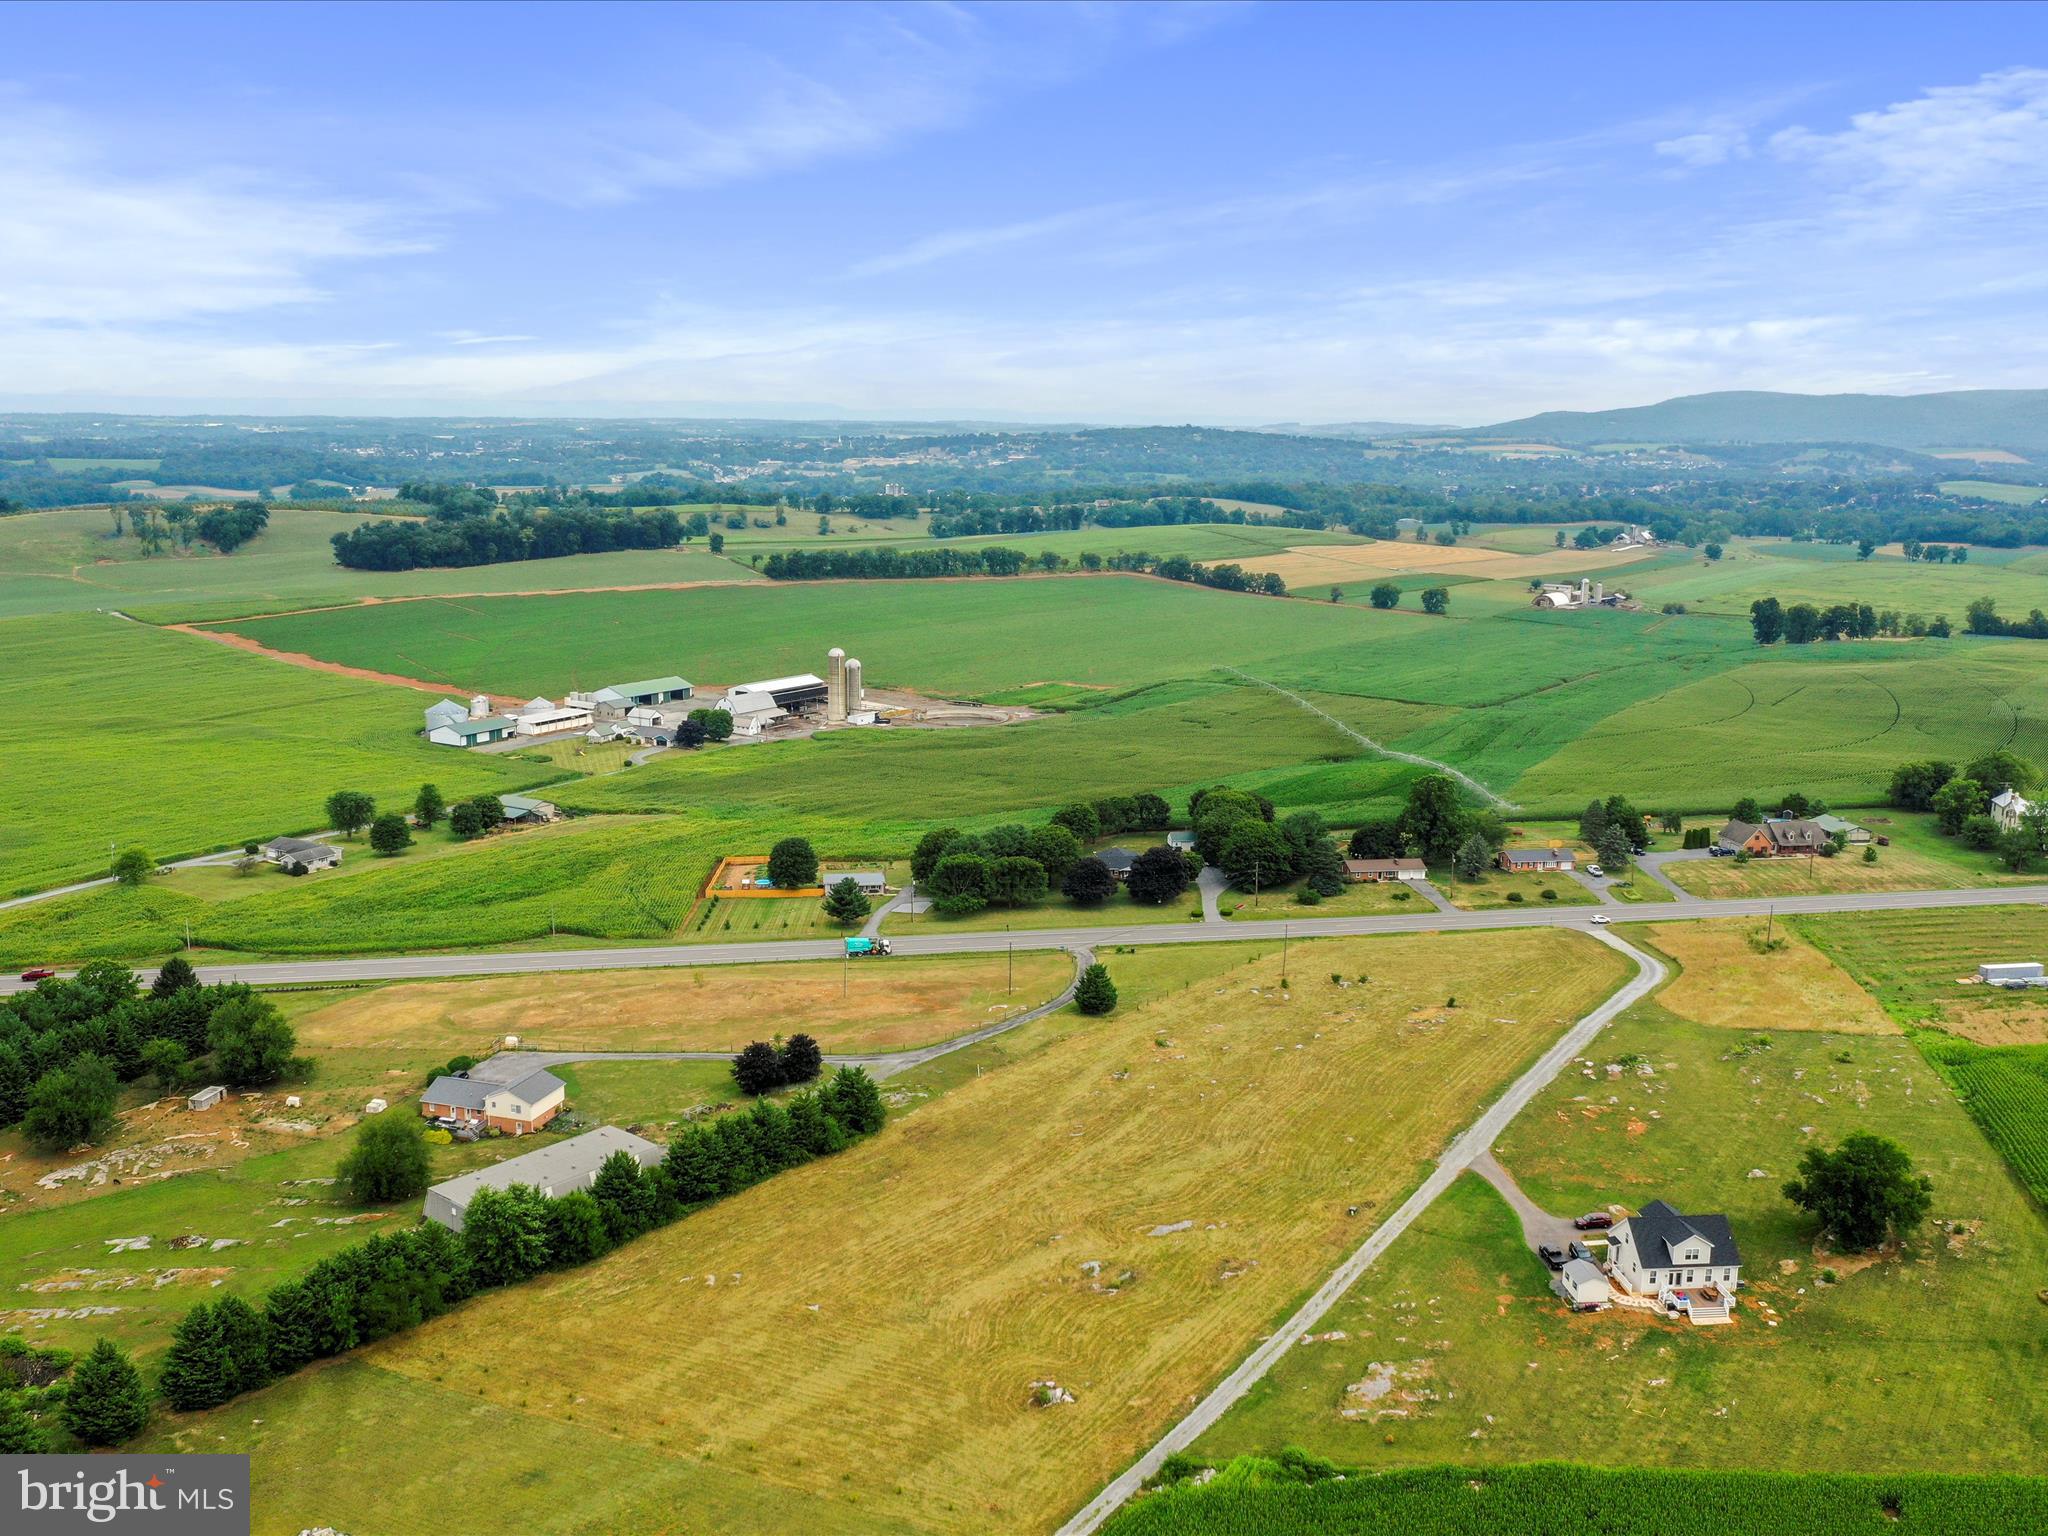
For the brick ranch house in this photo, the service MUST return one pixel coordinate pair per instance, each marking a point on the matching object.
(1782, 839)
(1379, 871)
(515, 1108)
(1520, 861)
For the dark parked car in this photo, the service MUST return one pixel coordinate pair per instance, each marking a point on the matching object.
(1594, 1221)
(1553, 1257)
(38, 973)
(1718, 852)
(1581, 1251)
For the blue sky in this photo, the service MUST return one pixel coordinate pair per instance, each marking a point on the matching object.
(1229, 213)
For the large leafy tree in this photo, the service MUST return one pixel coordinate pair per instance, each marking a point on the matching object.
(251, 1042)
(1255, 856)
(1862, 1191)
(388, 1161)
(1158, 875)
(1088, 883)
(350, 810)
(758, 1068)
(802, 1059)
(1379, 840)
(959, 886)
(505, 1232)
(1434, 821)
(793, 864)
(73, 1104)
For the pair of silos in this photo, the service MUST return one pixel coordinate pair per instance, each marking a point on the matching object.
(842, 687)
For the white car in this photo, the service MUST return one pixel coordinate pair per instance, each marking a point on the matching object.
(1599, 917)
(1596, 871)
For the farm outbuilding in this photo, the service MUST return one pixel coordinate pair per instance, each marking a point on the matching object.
(544, 718)
(2012, 973)
(797, 694)
(553, 1170)
(471, 733)
(526, 808)
(206, 1098)
(651, 690)
(1582, 1286)
(447, 712)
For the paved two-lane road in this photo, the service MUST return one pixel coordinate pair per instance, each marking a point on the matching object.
(535, 962)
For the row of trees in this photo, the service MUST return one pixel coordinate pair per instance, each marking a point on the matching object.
(399, 1280)
(1016, 865)
(1981, 618)
(1001, 560)
(67, 1046)
(490, 537)
(1802, 623)
(350, 810)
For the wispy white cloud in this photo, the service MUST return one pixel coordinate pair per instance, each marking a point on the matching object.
(472, 339)
(1984, 144)
(83, 244)
(1712, 146)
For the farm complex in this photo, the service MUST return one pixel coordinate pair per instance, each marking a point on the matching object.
(1306, 1038)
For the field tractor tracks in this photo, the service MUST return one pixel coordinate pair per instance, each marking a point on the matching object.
(1500, 802)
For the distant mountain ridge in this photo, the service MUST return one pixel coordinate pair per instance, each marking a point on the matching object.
(2013, 419)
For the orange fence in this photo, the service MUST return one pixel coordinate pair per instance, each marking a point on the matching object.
(733, 880)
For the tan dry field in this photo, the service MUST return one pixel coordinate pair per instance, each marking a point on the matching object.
(2026, 1024)
(1125, 1212)
(1310, 565)
(886, 1006)
(1728, 983)
(1982, 456)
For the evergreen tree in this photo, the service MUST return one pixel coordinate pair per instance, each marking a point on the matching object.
(104, 1403)
(693, 1167)
(623, 1197)
(1592, 822)
(174, 975)
(20, 1435)
(845, 902)
(739, 1159)
(576, 1229)
(198, 1372)
(1095, 993)
(1614, 851)
(812, 1128)
(1323, 866)
(855, 1102)
(245, 1339)
(801, 1059)
(289, 1310)
(767, 1126)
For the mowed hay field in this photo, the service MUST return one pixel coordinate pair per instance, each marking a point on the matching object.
(180, 745)
(1728, 980)
(885, 1006)
(945, 1258)
(1915, 962)
(1929, 1359)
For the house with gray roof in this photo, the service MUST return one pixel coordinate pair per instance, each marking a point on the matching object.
(525, 1104)
(307, 855)
(1692, 1260)
(1535, 860)
(554, 1170)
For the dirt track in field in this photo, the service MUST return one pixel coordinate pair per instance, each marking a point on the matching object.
(314, 663)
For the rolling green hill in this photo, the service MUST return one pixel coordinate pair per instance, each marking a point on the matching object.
(2015, 419)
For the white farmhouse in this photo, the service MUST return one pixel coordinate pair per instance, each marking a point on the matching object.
(2009, 808)
(1690, 1259)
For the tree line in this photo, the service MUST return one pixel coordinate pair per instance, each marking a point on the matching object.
(1771, 621)
(397, 1281)
(1001, 560)
(1960, 800)
(68, 1045)
(1018, 866)
(459, 536)
(1981, 618)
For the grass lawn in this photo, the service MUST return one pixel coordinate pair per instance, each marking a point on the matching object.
(1913, 962)
(1997, 490)
(1926, 1360)
(1918, 859)
(996, 1237)
(649, 1098)
(885, 1005)
(1368, 898)
(1496, 888)
(1054, 912)
(1725, 977)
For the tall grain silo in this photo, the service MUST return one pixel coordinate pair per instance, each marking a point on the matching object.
(854, 700)
(835, 686)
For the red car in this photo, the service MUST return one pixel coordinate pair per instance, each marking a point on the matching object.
(1594, 1221)
(39, 973)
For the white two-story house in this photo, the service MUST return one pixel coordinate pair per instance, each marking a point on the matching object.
(1660, 1250)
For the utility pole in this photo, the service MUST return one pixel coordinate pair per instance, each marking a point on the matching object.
(1255, 885)
(1283, 954)
(1770, 923)
(1012, 947)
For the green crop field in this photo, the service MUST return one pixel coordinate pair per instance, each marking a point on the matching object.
(1831, 573)
(1260, 1496)
(1914, 964)
(1453, 1349)
(69, 560)
(180, 745)
(1997, 490)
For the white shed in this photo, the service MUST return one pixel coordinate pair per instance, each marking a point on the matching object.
(1582, 1285)
(206, 1098)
